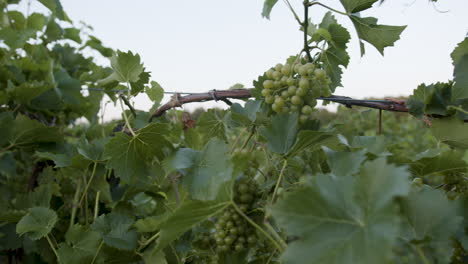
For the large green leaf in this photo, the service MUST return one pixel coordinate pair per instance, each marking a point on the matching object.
(189, 214)
(451, 131)
(25, 132)
(379, 36)
(448, 163)
(129, 155)
(80, 247)
(37, 223)
(127, 67)
(281, 133)
(344, 219)
(117, 231)
(344, 163)
(92, 150)
(460, 74)
(205, 172)
(430, 222)
(335, 56)
(211, 124)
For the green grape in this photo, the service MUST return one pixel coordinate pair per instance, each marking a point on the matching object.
(297, 67)
(246, 198)
(279, 67)
(265, 92)
(229, 240)
(296, 100)
(304, 83)
(292, 90)
(243, 188)
(320, 74)
(312, 102)
(276, 84)
(268, 84)
(269, 73)
(277, 75)
(269, 99)
(234, 231)
(307, 110)
(229, 224)
(284, 94)
(291, 81)
(303, 70)
(301, 92)
(252, 239)
(276, 108)
(286, 70)
(279, 101)
(238, 247)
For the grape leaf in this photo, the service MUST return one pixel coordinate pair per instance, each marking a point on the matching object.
(128, 155)
(189, 214)
(449, 163)
(211, 124)
(281, 133)
(36, 21)
(60, 160)
(309, 140)
(155, 92)
(116, 231)
(246, 115)
(139, 86)
(344, 163)
(353, 218)
(127, 68)
(460, 61)
(25, 132)
(430, 221)
(80, 247)
(354, 6)
(267, 7)
(92, 150)
(37, 223)
(152, 256)
(73, 34)
(373, 144)
(335, 55)
(205, 172)
(451, 131)
(379, 36)
(56, 7)
(8, 238)
(27, 91)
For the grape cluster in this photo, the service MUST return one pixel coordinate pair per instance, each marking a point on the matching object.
(295, 88)
(233, 232)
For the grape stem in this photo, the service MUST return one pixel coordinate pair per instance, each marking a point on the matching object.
(272, 240)
(127, 123)
(97, 252)
(278, 182)
(305, 25)
(329, 8)
(53, 248)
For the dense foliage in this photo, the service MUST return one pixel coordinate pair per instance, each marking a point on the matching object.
(271, 181)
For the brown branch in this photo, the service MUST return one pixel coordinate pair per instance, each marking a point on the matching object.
(177, 100)
(389, 104)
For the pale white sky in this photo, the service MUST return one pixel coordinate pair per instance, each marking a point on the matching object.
(195, 46)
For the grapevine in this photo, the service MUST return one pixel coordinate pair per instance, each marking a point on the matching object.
(273, 179)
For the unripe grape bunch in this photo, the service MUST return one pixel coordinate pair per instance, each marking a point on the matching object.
(295, 88)
(233, 232)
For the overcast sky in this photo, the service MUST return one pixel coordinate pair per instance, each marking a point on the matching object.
(195, 46)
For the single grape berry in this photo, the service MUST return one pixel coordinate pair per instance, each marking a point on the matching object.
(268, 84)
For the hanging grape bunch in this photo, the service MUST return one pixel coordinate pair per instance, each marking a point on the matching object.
(233, 232)
(295, 88)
